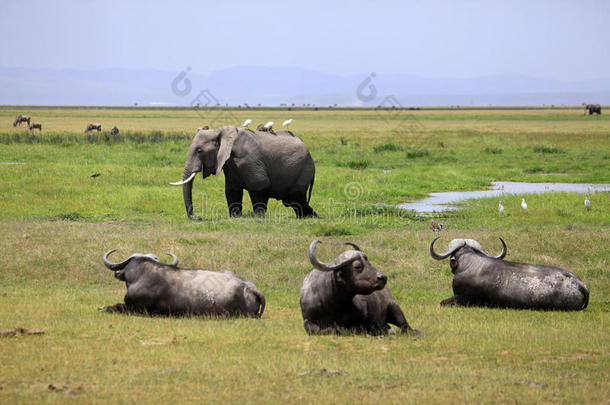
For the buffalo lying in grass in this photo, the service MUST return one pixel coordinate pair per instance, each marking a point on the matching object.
(157, 288)
(484, 280)
(348, 295)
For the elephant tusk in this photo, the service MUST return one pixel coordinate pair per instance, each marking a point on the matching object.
(179, 183)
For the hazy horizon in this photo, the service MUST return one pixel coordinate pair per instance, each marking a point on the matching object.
(549, 41)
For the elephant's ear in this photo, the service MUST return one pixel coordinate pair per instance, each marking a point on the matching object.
(227, 137)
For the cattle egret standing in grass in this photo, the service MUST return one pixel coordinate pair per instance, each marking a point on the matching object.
(587, 203)
(247, 122)
(524, 204)
(501, 208)
(287, 123)
(269, 125)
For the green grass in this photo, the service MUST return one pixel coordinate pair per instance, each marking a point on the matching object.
(57, 221)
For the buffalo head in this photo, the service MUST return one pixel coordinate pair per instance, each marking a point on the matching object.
(352, 269)
(459, 247)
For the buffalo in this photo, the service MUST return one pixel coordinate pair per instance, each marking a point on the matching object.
(348, 295)
(157, 288)
(484, 280)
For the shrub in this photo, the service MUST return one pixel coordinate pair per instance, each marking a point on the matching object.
(387, 147)
(413, 152)
(547, 149)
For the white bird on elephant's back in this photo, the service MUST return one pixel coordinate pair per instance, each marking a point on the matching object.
(269, 125)
(287, 123)
(523, 204)
(247, 122)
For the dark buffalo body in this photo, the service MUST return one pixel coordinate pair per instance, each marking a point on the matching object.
(158, 288)
(483, 280)
(348, 295)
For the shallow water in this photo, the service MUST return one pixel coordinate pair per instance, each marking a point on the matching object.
(441, 201)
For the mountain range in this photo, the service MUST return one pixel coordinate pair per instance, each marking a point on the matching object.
(270, 86)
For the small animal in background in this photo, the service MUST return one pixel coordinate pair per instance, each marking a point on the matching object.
(501, 208)
(93, 125)
(21, 119)
(436, 227)
(268, 127)
(203, 128)
(114, 130)
(35, 125)
(587, 203)
(523, 204)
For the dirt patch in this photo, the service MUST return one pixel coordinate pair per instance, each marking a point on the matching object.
(532, 384)
(64, 389)
(568, 357)
(324, 372)
(20, 331)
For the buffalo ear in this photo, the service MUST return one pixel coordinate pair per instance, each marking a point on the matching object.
(227, 137)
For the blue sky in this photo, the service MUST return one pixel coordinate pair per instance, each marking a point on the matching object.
(564, 40)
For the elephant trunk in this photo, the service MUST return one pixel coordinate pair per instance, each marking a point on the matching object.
(187, 192)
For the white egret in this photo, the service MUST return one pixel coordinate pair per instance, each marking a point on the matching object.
(587, 203)
(287, 123)
(247, 122)
(269, 125)
(524, 204)
(501, 208)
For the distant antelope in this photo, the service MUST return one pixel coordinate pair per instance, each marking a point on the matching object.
(93, 125)
(21, 118)
(203, 128)
(35, 125)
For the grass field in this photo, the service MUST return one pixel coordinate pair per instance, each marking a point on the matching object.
(57, 221)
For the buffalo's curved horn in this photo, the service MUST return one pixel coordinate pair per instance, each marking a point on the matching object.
(352, 244)
(340, 261)
(114, 266)
(453, 246)
(314, 260)
(477, 246)
(501, 255)
(175, 263)
(179, 183)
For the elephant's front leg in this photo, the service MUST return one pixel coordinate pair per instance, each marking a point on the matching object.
(234, 200)
(259, 201)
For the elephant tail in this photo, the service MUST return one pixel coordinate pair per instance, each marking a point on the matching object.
(313, 178)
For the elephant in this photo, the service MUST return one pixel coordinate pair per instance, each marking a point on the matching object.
(593, 108)
(267, 165)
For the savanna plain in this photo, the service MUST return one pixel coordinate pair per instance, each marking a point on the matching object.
(77, 195)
